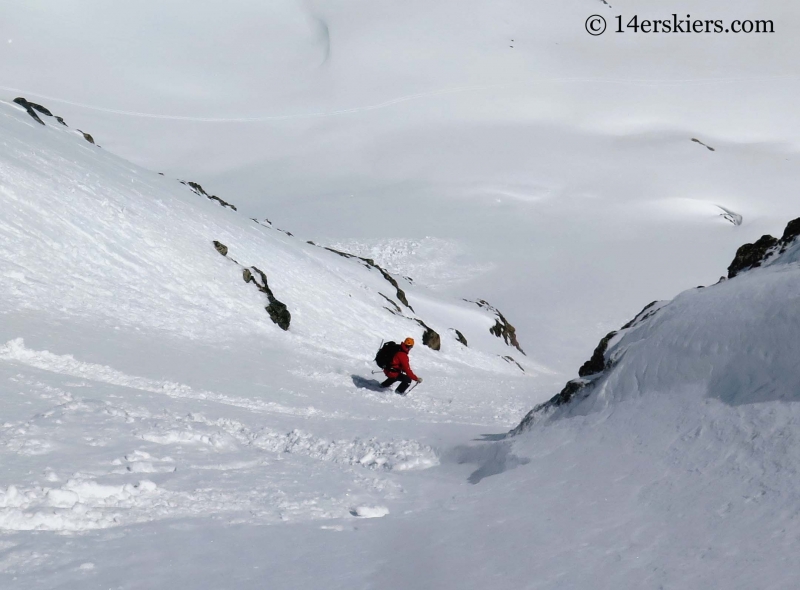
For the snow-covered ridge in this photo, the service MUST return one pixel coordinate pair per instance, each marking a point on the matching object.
(87, 235)
(735, 341)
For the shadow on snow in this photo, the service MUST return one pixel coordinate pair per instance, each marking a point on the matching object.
(492, 458)
(364, 383)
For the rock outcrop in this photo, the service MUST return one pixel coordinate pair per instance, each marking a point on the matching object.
(269, 225)
(502, 327)
(277, 310)
(199, 190)
(510, 359)
(751, 255)
(597, 364)
(708, 147)
(754, 255)
(460, 337)
(593, 371)
(34, 110)
(589, 373)
(221, 248)
(395, 308)
(430, 337)
(370, 263)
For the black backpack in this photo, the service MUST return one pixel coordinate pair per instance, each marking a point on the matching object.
(386, 354)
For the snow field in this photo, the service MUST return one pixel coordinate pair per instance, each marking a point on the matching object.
(695, 493)
(146, 260)
(734, 341)
(83, 438)
(487, 150)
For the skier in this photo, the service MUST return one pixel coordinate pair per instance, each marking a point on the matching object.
(399, 369)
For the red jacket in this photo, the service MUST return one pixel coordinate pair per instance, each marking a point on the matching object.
(399, 365)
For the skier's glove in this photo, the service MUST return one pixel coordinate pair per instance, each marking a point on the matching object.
(419, 380)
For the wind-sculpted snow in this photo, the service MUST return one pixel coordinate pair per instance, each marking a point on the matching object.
(735, 341)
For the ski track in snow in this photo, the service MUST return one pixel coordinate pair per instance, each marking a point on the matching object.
(15, 350)
(448, 410)
(129, 465)
(409, 97)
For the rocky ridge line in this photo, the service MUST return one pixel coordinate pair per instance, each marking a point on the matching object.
(34, 110)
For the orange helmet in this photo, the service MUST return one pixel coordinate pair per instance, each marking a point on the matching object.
(409, 342)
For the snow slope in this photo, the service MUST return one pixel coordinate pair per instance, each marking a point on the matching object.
(135, 352)
(735, 341)
(139, 249)
(499, 130)
(159, 430)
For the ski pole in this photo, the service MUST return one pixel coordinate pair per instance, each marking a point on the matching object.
(412, 388)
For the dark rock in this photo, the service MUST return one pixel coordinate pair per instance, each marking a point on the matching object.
(646, 312)
(392, 303)
(268, 224)
(747, 257)
(510, 359)
(34, 109)
(431, 339)
(41, 109)
(221, 248)
(791, 232)
(569, 391)
(399, 293)
(277, 310)
(565, 396)
(708, 147)
(597, 363)
(754, 255)
(590, 373)
(751, 255)
(221, 202)
(502, 327)
(279, 313)
(28, 106)
(460, 337)
(199, 190)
